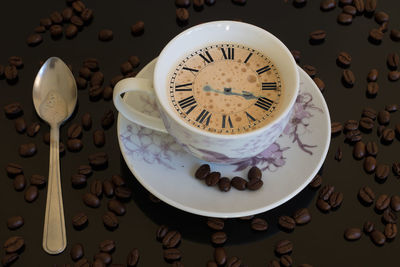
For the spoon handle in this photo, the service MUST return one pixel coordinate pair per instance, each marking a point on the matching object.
(54, 237)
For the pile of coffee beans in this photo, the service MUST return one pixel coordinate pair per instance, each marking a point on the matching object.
(10, 71)
(170, 239)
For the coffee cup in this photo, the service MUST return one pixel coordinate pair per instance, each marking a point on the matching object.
(224, 90)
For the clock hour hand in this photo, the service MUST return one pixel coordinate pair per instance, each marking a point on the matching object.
(228, 91)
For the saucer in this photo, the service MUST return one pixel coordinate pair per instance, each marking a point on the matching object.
(288, 165)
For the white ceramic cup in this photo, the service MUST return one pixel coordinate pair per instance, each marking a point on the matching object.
(213, 147)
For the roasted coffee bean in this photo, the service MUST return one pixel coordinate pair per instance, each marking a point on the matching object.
(98, 159)
(171, 254)
(310, 70)
(107, 119)
(137, 28)
(78, 6)
(171, 239)
(395, 35)
(395, 202)
(34, 39)
(388, 135)
(91, 200)
(9, 259)
(327, 5)
(86, 121)
(16, 61)
(344, 59)
(123, 192)
(380, 129)
(46, 22)
(31, 193)
(317, 36)
(336, 199)
(370, 6)
(375, 35)
(259, 224)
(396, 168)
(348, 77)
(202, 172)
(286, 222)
(382, 171)
(56, 31)
(234, 262)
(344, 18)
(14, 244)
(389, 216)
(79, 220)
(108, 188)
(74, 131)
(107, 93)
(182, 14)
(104, 257)
(384, 27)
(383, 117)
(239, 183)
(87, 15)
(97, 78)
(33, 129)
(369, 164)
(67, 13)
(198, 5)
(92, 64)
(394, 75)
(319, 83)
(106, 35)
(254, 184)
(369, 113)
(78, 180)
(224, 184)
(359, 5)
(161, 232)
(56, 17)
(382, 202)
(74, 145)
(126, 67)
(339, 154)
(110, 220)
(85, 170)
(215, 224)
(117, 180)
(323, 205)
(76, 252)
(212, 178)
(336, 127)
(326, 192)
(274, 263)
(70, 32)
(372, 148)
(19, 182)
(366, 124)
(390, 230)
(220, 255)
(302, 216)
(116, 206)
(95, 92)
(372, 76)
(392, 107)
(99, 138)
(352, 233)
(96, 188)
(284, 247)
(296, 55)
(85, 73)
(381, 17)
(98, 263)
(316, 181)
(13, 169)
(82, 263)
(359, 150)
(378, 237)
(351, 125)
(15, 222)
(133, 258)
(366, 195)
(392, 60)
(372, 88)
(13, 110)
(107, 246)
(254, 173)
(351, 10)
(368, 227)
(11, 73)
(218, 238)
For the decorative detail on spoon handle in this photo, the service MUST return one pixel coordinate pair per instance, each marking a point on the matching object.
(54, 237)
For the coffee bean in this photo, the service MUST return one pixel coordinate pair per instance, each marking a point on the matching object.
(296, 55)
(161, 232)
(82, 263)
(106, 35)
(375, 35)
(254, 184)
(274, 263)
(317, 36)
(310, 70)
(316, 181)
(371, 148)
(323, 205)
(369, 164)
(338, 154)
(76, 252)
(78, 6)
(110, 220)
(70, 32)
(284, 247)
(302, 216)
(368, 227)
(366, 124)
(380, 129)
(92, 64)
(286, 222)
(107, 246)
(74, 145)
(133, 258)
(392, 107)
(224, 184)
(16, 61)
(383, 117)
(370, 6)
(97, 78)
(336, 127)
(336, 199)
(382, 171)
(98, 159)
(19, 182)
(369, 113)
(67, 14)
(117, 207)
(123, 192)
(78, 180)
(378, 237)
(344, 59)
(31, 193)
(171, 239)
(56, 17)
(326, 192)
(107, 119)
(80, 220)
(395, 202)
(351, 125)
(382, 202)
(319, 83)
(15, 222)
(239, 183)
(202, 172)
(74, 131)
(13, 244)
(171, 254)
(389, 216)
(352, 233)
(87, 15)
(85, 73)
(351, 10)
(56, 31)
(34, 39)
(388, 135)
(234, 262)
(91, 200)
(392, 60)
(254, 173)
(86, 121)
(182, 14)
(108, 188)
(359, 5)
(95, 92)
(327, 5)
(344, 18)
(13, 169)
(117, 180)
(372, 89)
(348, 77)
(104, 257)
(218, 238)
(46, 22)
(259, 224)
(85, 170)
(198, 5)
(81, 83)
(107, 93)
(96, 188)
(366, 195)
(394, 75)
(390, 230)
(215, 224)
(381, 17)
(220, 255)
(137, 28)
(11, 73)
(9, 259)
(359, 150)
(99, 138)
(33, 129)
(395, 35)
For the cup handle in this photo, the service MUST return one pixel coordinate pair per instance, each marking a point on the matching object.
(136, 85)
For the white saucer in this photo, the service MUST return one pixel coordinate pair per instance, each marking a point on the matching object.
(167, 171)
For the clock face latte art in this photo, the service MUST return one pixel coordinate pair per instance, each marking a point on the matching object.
(225, 89)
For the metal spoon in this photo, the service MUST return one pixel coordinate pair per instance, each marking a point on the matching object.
(54, 97)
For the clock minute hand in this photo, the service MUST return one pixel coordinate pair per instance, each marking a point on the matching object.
(228, 91)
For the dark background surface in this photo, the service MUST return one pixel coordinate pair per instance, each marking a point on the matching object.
(319, 243)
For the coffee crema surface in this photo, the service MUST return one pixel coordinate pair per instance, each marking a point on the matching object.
(225, 89)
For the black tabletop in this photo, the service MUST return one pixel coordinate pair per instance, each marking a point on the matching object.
(321, 242)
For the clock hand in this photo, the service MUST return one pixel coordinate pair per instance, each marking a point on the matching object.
(228, 91)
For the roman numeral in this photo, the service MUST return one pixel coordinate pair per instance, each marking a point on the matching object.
(224, 121)
(187, 102)
(249, 117)
(248, 57)
(230, 54)
(204, 115)
(269, 86)
(209, 59)
(264, 103)
(191, 70)
(263, 69)
(178, 88)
